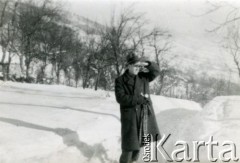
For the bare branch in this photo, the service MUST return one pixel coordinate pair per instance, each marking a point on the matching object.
(5, 4)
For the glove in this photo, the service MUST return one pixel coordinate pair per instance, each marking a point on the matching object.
(142, 100)
(146, 101)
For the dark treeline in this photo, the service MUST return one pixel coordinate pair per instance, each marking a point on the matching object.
(42, 36)
(194, 86)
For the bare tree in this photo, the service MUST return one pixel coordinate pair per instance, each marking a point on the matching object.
(8, 33)
(78, 54)
(4, 5)
(231, 10)
(228, 28)
(160, 43)
(102, 60)
(87, 60)
(47, 46)
(3, 43)
(33, 17)
(233, 46)
(62, 59)
(124, 35)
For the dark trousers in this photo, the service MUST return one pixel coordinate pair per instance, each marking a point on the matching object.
(129, 156)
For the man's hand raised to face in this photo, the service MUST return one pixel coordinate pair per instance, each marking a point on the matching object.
(143, 66)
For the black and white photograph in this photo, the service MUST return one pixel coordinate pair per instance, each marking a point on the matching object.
(119, 81)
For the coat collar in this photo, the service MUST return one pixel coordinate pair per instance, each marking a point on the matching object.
(126, 78)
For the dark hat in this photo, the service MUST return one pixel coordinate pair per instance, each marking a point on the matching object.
(132, 58)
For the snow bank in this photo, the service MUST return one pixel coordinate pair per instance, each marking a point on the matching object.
(219, 119)
(161, 103)
(223, 107)
(224, 113)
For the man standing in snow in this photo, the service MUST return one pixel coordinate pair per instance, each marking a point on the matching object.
(137, 114)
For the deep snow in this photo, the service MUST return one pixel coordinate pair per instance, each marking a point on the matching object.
(52, 123)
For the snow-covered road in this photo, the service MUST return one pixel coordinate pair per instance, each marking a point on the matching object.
(55, 124)
(43, 123)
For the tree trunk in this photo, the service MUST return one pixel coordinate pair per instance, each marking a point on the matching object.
(43, 68)
(69, 80)
(27, 68)
(4, 71)
(4, 64)
(27, 57)
(85, 80)
(58, 76)
(77, 75)
(97, 79)
(237, 64)
(161, 83)
(76, 83)
(3, 55)
(53, 71)
(58, 72)
(8, 66)
(21, 63)
(239, 71)
(68, 75)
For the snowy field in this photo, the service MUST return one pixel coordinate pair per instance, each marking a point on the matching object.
(59, 124)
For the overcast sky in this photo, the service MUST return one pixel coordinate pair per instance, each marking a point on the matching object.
(176, 15)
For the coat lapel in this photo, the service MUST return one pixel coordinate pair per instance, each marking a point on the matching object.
(138, 86)
(126, 82)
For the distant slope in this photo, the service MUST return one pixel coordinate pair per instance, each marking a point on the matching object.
(84, 24)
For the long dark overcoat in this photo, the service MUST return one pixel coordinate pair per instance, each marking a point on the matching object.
(129, 106)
